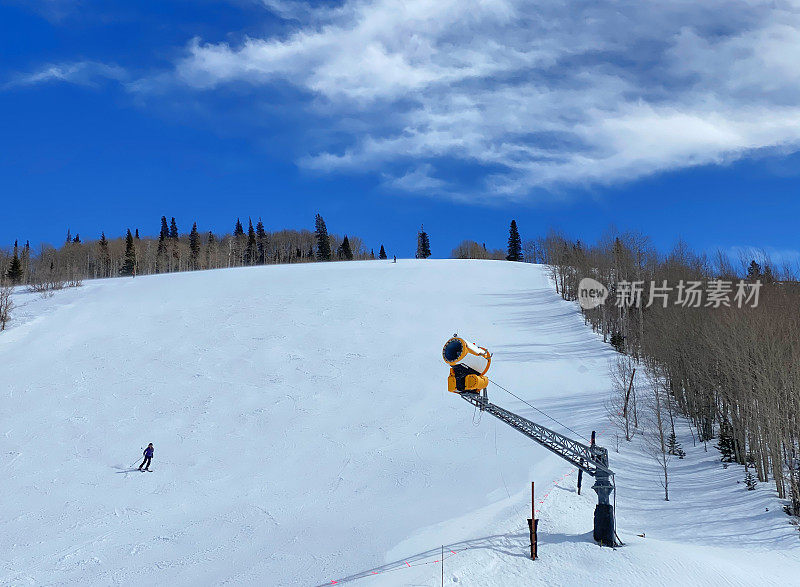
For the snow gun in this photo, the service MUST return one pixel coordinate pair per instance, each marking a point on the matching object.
(468, 365)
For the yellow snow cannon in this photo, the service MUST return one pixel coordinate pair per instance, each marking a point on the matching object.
(468, 365)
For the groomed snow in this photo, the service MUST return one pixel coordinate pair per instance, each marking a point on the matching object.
(303, 434)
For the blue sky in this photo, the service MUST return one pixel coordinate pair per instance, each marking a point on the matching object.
(675, 119)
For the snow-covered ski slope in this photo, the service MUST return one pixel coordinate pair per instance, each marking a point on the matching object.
(303, 435)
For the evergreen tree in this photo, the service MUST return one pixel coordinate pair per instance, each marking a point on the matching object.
(382, 253)
(77, 239)
(136, 236)
(261, 240)
(161, 253)
(514, 243)
(674, 447)
(344, 250)
(194, 247)
(239, 230)
(164, 234)
(69, 237)
(750, 480)
(105, 256)
(423, 244)
(726, 444)
(173, 230)
(14, 273)
(252, 249)
(323, 242)
(753, 271)
(129, 264)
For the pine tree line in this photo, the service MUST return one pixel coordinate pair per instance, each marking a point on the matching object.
(171, 251)
(77, 259)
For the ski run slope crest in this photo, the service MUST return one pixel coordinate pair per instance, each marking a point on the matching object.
(304, 436)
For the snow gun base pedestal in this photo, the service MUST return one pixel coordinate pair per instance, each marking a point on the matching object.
(604, 525)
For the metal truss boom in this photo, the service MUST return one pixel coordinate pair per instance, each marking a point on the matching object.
(591, 459)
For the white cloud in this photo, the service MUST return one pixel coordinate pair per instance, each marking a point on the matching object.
(532, 94)
(416, 180)
(299, 10)
(84, 73)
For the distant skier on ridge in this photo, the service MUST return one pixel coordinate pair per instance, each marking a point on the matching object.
(148, 456)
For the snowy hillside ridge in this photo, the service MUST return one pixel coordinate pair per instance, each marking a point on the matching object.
(303, 434)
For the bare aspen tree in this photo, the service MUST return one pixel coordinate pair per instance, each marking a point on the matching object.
(531, 251)
(621, 406)
(6, 303)
(655, 433)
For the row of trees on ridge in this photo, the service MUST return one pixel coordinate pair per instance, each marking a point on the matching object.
(53, 267)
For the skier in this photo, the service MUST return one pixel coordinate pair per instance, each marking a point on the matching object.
(148, 456)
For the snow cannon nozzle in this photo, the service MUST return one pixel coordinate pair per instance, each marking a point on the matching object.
(468, 365)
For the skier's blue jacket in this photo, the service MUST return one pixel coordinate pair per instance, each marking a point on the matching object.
(148, 452)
